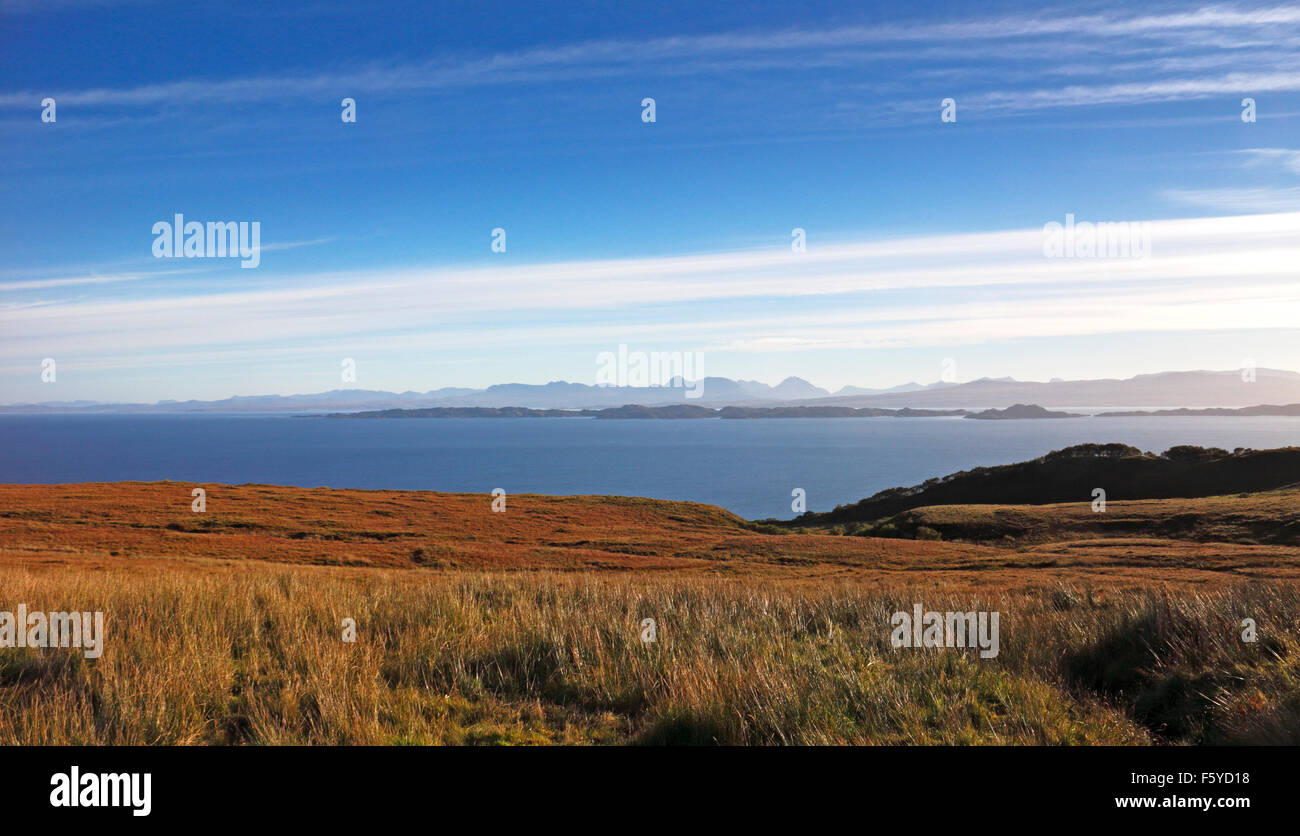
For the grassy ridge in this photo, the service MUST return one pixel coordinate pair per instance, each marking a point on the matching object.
(1071, 475)
(1271, 517)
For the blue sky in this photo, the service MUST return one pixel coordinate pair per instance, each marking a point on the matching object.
(923, 237)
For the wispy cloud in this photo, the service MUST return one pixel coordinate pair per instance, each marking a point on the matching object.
(109, 274)
(1257, 199)
(1140, 92)
(1210, 29)
(1287, 158)
(101, 278)
(1211, 273)
(411, 189)
(1272, 197)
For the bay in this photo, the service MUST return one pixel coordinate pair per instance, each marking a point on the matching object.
(747, 466)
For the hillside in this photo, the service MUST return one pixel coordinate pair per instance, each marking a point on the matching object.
(526, 627)
(640, 411)
(1271, 410)
(834, 412)
(1166, 389)
(674, 411)
(148, 526)
(1268, 518)
(466, 412)
(143, 523)
(1072, 474)
(1021, 411)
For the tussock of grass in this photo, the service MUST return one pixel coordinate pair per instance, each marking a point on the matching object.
(473, 658)
(1181, 665)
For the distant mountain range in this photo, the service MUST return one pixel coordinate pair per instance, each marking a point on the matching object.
(1166, 389)
(1190, 389)
(1289, 410)
(670, 411)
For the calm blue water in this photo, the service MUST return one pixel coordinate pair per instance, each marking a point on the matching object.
(748, 466)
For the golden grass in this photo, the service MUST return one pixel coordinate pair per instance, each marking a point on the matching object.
(523, 627)
(256, 656)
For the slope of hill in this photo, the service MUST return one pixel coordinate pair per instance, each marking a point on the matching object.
(1289, 411)
(797, 387)
(910, 386)
(150, 526)
(146, 522)
(1171, 389)
(834, 412)
(1019, 411)
(674, 411)
(1072, 474)
(467, 412)
(640, 411)
(1269, 517)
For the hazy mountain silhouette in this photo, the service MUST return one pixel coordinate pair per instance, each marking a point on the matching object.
(1190, 389)
(1166, 389)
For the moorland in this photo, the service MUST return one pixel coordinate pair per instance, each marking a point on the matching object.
(229, 625)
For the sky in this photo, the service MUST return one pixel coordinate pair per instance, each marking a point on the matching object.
(924, 238)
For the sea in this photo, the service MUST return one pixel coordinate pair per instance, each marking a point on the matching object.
(751, 467)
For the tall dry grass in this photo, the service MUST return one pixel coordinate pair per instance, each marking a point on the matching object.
(257, 657)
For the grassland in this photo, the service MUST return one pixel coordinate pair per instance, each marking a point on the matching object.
(1266, 518)
(226, 627)
(150, 524)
